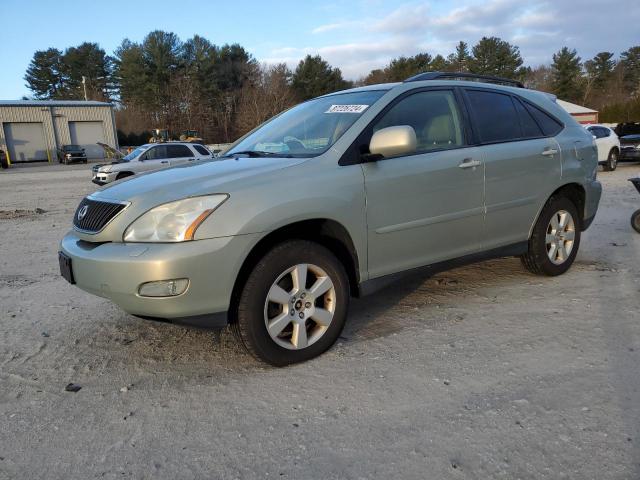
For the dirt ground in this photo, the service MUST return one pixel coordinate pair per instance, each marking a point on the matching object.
(480, 372)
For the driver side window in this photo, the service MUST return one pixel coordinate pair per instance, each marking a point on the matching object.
(433, 115)
(155, 153)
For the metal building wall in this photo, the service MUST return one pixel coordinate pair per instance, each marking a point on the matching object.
(55, 121)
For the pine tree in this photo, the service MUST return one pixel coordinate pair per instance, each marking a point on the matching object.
(45, 77)
(401, 68)
(459, 60)
(493, 56)
(600, 68)
(565, 72)
(630, 61)
(314, 76)
(90, 61)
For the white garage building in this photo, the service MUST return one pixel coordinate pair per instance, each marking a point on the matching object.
(32, 130)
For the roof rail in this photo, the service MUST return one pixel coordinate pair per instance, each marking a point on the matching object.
(465, 76)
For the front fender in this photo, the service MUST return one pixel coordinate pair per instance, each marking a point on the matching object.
(309, 191)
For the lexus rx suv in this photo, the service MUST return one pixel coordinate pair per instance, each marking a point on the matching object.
(335, 198)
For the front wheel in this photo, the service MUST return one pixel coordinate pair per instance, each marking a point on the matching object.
(294, 304)
(612, 161)
(635, 221)
(555, 239)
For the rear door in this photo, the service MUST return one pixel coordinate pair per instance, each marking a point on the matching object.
(425, 207)
(521, 161)
(179, 154)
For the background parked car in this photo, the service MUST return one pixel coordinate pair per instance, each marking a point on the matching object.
(630, 148)
(152, 156)
(71, 153)
(608, 146)
(627, 128)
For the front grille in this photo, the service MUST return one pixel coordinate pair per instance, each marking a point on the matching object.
(96, 214)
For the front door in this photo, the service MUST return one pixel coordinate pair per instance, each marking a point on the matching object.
(154, 158)
(425, 207)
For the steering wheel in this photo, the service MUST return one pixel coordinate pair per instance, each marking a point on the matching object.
(295, 145)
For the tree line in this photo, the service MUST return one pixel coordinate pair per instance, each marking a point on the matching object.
(223, 92)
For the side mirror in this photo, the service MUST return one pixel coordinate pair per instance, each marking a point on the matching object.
(393, 141)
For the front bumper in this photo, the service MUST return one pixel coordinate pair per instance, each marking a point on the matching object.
(101, 178)
(593, 192)
(630, 154)
(116, 271)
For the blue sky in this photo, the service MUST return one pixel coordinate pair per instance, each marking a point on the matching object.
(355, 36)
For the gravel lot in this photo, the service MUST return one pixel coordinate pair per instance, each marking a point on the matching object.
(481, 372)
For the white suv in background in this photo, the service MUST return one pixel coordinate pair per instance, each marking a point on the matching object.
(152, 156)
(608, 146)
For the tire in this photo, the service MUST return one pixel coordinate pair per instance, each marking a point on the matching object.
(635, 221)
(566, 238)
(612, 161)
(286, 344)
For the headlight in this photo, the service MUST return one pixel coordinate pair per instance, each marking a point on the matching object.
(68, 155)
(173, 222)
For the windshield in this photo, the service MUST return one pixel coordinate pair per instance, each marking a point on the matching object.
(308, 129)
(135, 153)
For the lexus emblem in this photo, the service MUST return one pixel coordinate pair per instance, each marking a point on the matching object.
(83, 212)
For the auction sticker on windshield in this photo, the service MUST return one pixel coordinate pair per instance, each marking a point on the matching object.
(347, 108)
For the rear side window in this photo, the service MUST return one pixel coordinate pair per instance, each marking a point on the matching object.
(201, 150)
(496, 119)
(179, 151)
(550, 126)
(434, 117)
(530, 128)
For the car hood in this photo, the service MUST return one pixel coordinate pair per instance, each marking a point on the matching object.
(201, 178)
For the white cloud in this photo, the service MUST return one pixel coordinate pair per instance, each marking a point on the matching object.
(333, 26)
(538, 27)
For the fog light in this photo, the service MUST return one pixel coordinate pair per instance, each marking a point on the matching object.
(164, 288)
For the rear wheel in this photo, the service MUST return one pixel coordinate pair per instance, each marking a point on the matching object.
(612, 161)
(635, 221)
(294, 304)
(554, 243)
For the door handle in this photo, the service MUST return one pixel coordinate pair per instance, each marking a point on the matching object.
(190, 159)
(164, 161)
(469, 163)
(548, 152)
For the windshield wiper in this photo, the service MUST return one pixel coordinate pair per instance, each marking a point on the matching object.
(256, 154)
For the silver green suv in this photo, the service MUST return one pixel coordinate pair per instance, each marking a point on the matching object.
(334, 198)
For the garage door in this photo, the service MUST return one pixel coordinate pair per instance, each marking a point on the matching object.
(25, 142)
(87, 134)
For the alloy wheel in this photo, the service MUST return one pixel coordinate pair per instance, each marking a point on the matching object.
(300, 306)
(560, 237)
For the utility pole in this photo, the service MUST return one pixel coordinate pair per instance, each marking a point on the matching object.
(84, 86)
